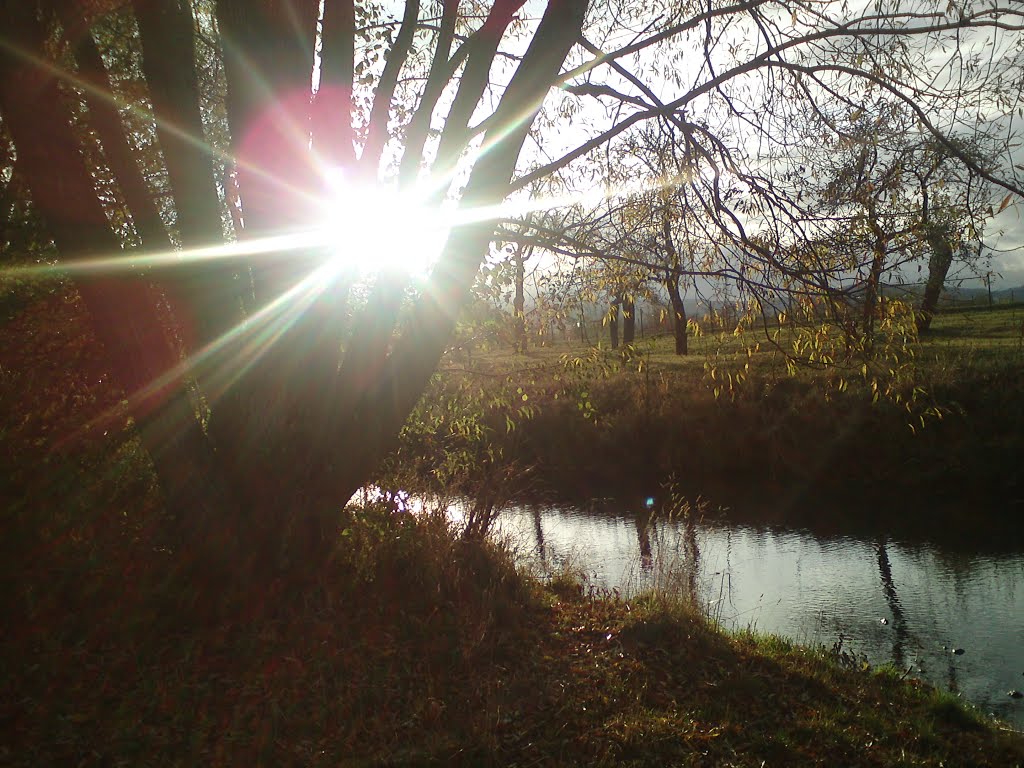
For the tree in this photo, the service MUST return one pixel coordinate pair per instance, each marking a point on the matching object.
(306, 373)
(666, 231)
(520, 254)
(651, 233)
(521, 248)
(953, 214)
(616, 277)
(278, 460)
(893, 197)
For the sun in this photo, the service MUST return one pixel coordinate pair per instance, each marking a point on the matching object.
(373, 228)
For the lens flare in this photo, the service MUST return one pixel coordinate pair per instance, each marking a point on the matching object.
(371, 227)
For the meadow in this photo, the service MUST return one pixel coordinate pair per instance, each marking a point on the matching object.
(926, 425)
(423, 643)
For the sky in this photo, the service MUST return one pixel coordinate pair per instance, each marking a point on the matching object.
(670, 76)
(1009, 265)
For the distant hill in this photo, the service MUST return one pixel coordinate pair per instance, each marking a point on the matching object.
(957, 294)
(974, 294)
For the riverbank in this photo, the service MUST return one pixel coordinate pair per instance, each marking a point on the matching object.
(933, 440)
(418, 647)
(413, 647)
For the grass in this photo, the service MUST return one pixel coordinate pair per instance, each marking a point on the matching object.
(731, 424)
(417, 647)
(413, 646)
(964, 337)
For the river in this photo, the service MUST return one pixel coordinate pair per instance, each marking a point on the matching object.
(953, 618)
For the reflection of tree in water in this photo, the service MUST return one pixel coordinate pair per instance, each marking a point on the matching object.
(644, 522)
(899, 623)
(679, 557)
(691, 552)
(538, 530)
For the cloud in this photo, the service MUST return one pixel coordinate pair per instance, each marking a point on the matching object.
(1008, 247)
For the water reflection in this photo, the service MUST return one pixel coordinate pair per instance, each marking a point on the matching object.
(538, 529)
(643, 521)
(897, 602)
(899, 623)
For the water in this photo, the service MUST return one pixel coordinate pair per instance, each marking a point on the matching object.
(909, 604)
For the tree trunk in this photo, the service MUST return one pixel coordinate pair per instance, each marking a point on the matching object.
(106, 121)
(628, 320)
(308, 442)
(678, 313)
(268, 62)
(519, 301)
(377, 133)
(332, 105)
(871, 289)
(254, 389)
(938, 267)
(472, 85)
(370, 360)
(371, 429)
(121, 307)
(613, 322)
(874, 279)
(302, 444)
(279, 368)
(168, 62)
(438, 77)
(672, 287)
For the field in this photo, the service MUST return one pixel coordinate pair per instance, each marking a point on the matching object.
(419, 645)
(966, 338)
(925, 425)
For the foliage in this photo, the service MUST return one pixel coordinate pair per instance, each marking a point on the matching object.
(920, 424)
(456, 439)
(417, 643)
(417, 646)
(196, 182)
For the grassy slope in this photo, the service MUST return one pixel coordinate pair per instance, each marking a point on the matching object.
(972, 338)
(419, 649)
(413, 648)
(773, 435)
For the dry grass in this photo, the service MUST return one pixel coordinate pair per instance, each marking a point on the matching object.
(414, 646)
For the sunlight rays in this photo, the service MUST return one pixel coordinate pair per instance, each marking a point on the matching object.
(363, 230)
(134, 261)
(223, 362)
(74, 80)
(366, 227)
(379, 228)
(386, 230)
(257, 334)
(348, 227)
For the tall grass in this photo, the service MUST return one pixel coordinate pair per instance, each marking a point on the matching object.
(420, 641)
(731, 424)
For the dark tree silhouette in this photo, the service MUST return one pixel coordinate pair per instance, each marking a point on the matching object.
(304, 379)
